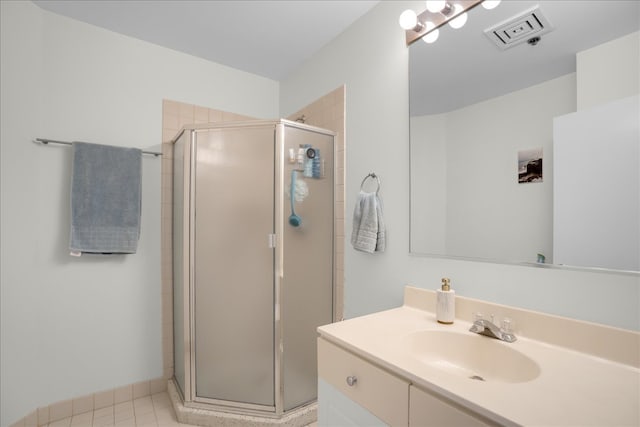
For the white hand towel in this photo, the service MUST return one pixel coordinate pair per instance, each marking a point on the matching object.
(368, 234)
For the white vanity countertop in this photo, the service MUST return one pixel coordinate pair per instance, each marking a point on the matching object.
(573, 388)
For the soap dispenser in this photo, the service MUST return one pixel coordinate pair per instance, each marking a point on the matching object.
(445, 303)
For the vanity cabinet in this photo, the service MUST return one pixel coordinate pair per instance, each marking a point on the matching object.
(382, 394)
(396, 362)
(428, 410)
(354, 392)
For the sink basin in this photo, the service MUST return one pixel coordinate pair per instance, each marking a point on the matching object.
(472, 356)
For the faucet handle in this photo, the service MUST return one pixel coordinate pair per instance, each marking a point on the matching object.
(477, 316)
(506, 326)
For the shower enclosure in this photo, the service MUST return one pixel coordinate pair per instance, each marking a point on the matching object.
(250, 288)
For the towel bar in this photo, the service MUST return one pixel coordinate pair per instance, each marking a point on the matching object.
(371, 175)
(53, 141)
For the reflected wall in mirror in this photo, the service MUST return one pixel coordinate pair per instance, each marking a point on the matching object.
(474, 106)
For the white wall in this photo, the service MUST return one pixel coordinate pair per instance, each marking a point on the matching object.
(609, 71)
(596, 188)
(75, 326)
(371, 59)
(429, 165)
(488, 213)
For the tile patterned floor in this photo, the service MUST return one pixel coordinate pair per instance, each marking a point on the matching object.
(148, 411)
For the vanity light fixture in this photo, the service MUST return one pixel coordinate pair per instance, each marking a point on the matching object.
(426, 25)
(461, 18)
(435, 6)
(490, 4)
(409, 21)
(431, 35)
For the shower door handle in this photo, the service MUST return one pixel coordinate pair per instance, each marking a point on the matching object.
(272, 241)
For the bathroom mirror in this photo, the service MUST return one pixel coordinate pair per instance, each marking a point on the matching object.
(480, 114)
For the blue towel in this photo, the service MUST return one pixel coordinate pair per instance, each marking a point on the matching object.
(369, 233)
(106, 187)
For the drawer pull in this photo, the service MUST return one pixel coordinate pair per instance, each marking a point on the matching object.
(351, 380)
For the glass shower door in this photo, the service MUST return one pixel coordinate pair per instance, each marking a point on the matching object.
(307, 285)
(233, 286)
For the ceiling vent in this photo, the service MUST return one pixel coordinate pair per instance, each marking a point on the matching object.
(527, 26)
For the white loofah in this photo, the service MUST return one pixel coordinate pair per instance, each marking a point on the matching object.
(301, 190)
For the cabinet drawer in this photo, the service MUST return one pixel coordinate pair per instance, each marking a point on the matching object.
(384, 395)
(427, 410)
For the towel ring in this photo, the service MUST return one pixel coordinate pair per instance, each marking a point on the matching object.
(371, 175)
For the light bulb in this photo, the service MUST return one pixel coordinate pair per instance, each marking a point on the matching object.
(459, 21)
(435, 6)
(408, 19)
(433, 35)
(490, 4)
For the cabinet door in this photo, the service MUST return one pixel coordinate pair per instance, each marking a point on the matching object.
(381, 393)
(336, 409)
(427, 410)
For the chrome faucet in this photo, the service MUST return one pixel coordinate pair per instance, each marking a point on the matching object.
(487, 327)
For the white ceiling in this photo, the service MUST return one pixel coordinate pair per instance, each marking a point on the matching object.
(272, 38)
(267, 38)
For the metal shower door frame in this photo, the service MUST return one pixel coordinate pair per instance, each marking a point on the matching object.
(218, 404)
(190, 398)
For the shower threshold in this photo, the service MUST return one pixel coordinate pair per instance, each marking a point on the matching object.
(215, 417)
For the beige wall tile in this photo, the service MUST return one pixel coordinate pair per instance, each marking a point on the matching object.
(340, 176)
(19, 423)
(65, 422)
(31, 420)
(82, 420)
(171, 121)
(167, 150)
(169, 106)
(186, 113)
(82, 404)
(169, 133)
(168, 372)
(60, 410)
(158, 385)
(167, 276)
(123, 394)
(339, 192)
(43, 416)
(103, 399)
(141, 389)
(185, 121)
(201, 115)
(215, 115)
(233, 117)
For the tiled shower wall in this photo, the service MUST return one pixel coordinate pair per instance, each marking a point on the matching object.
(327, 112)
